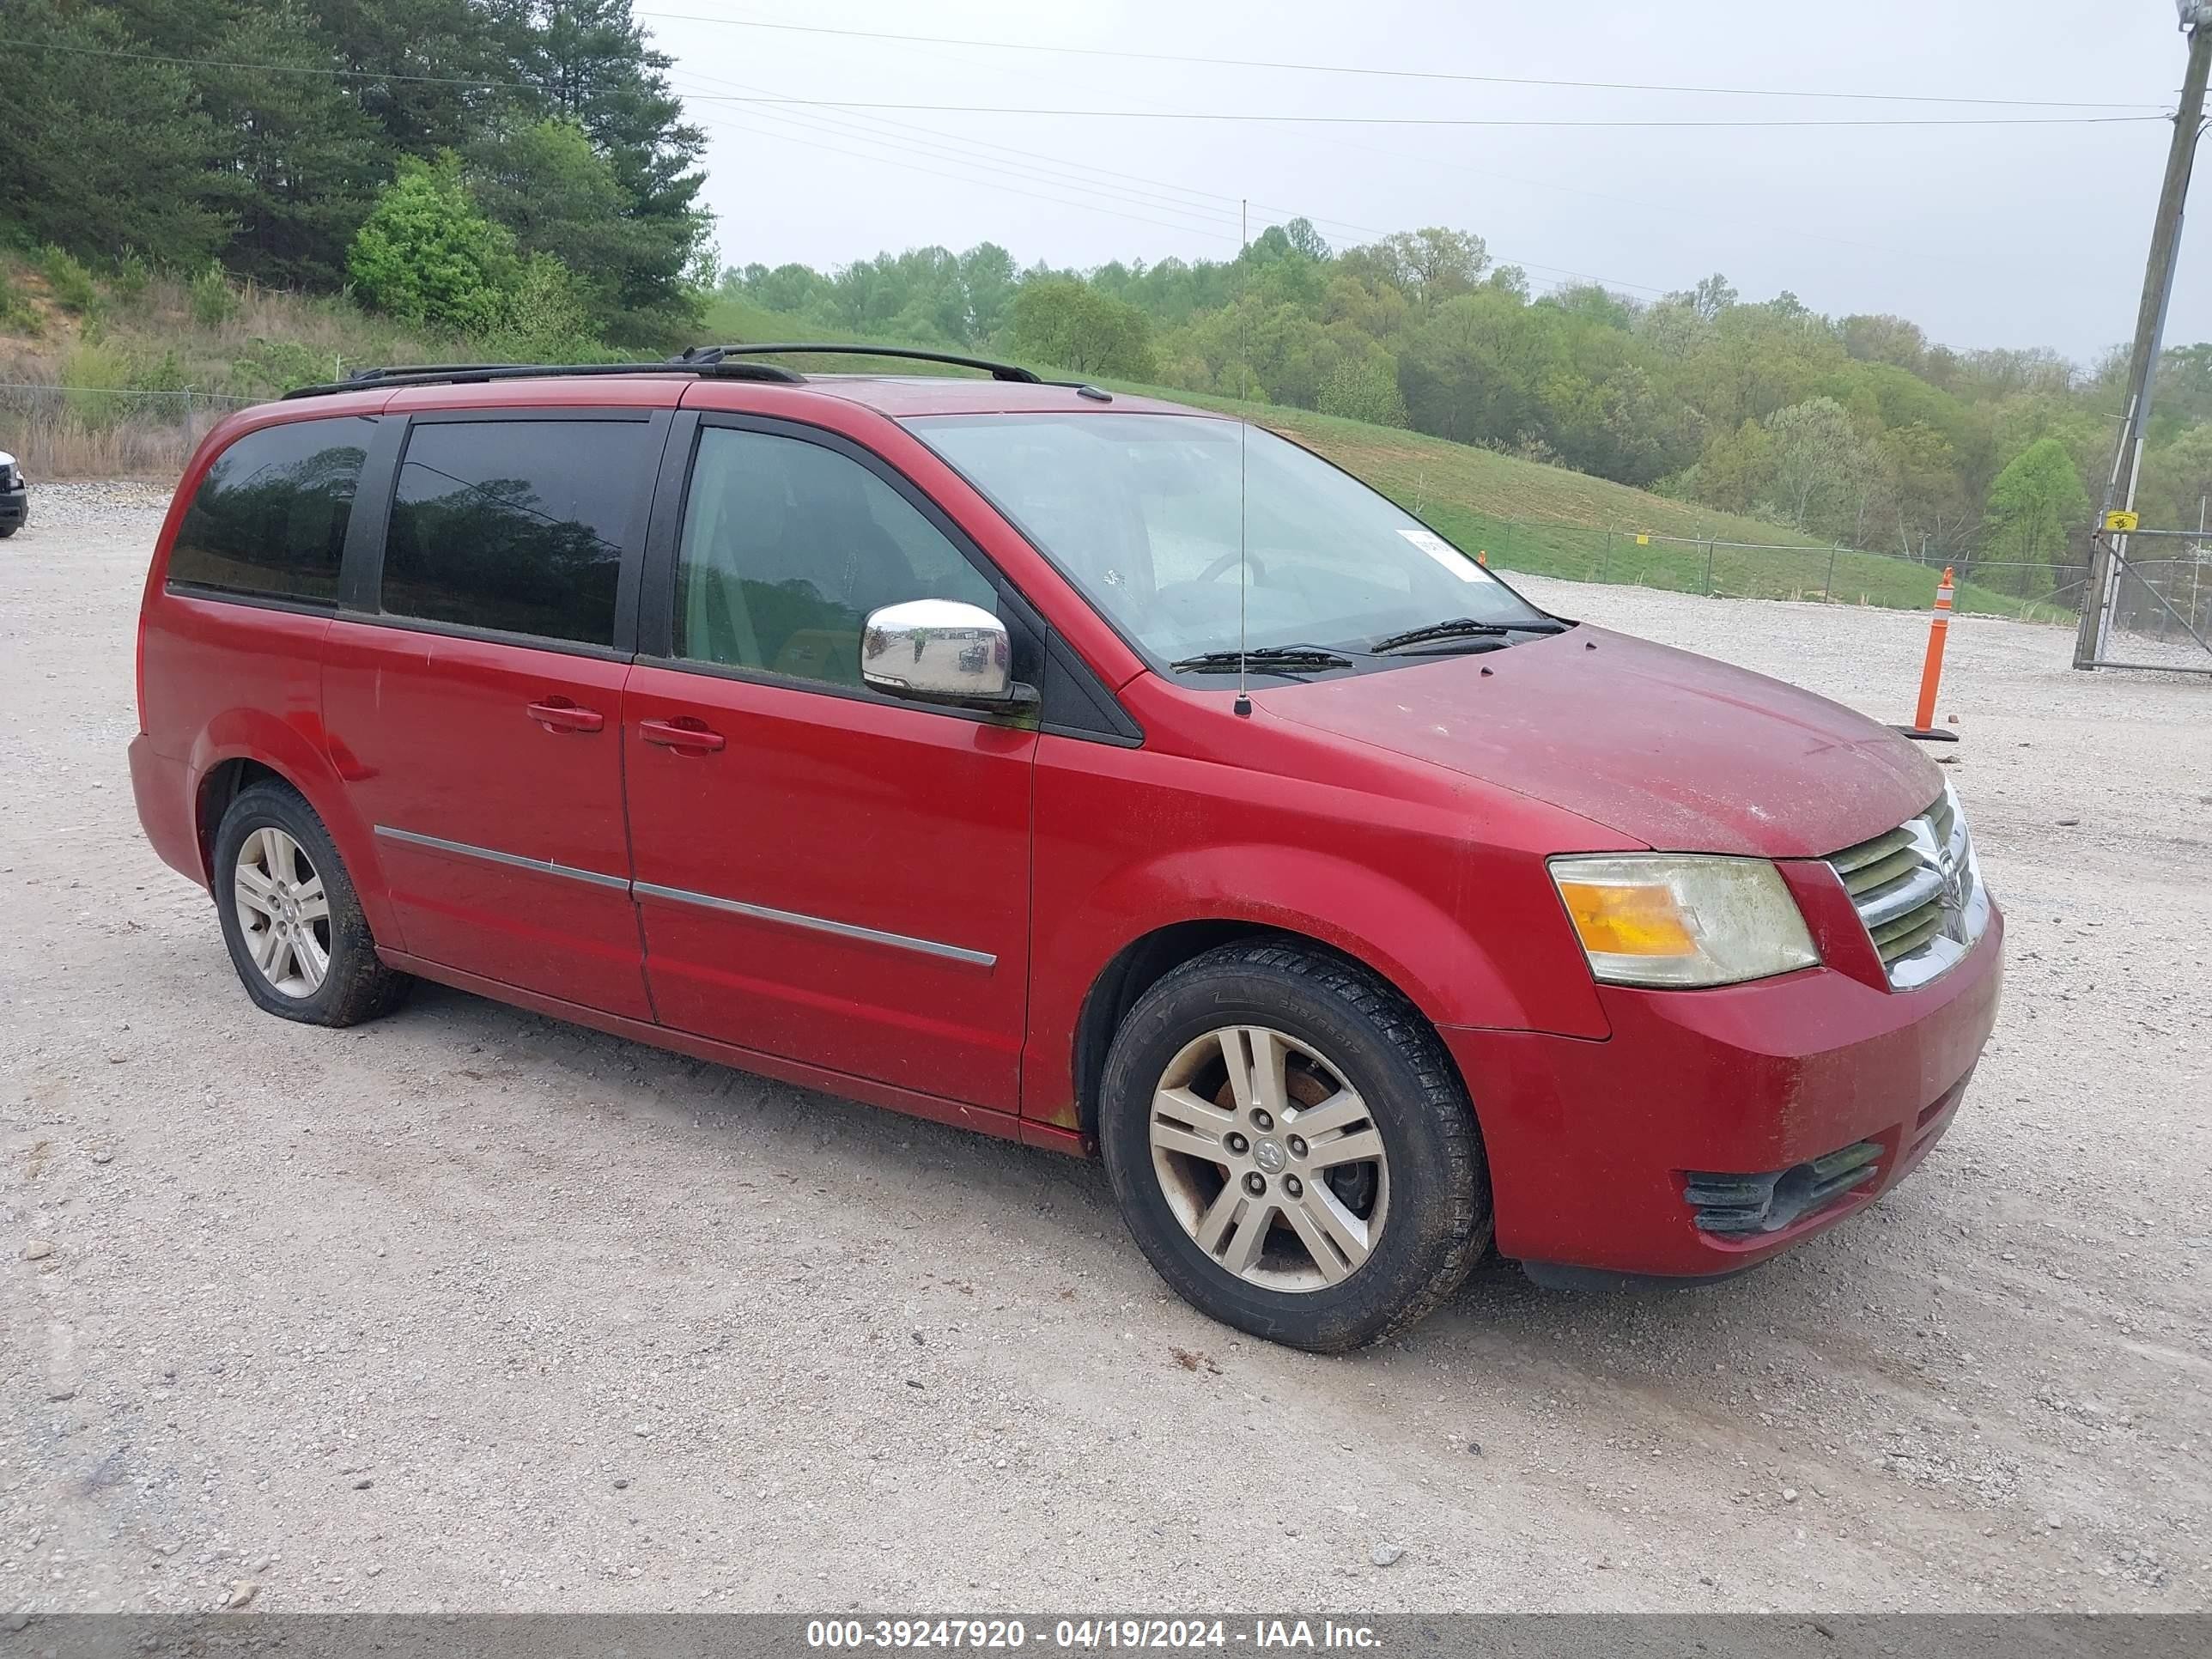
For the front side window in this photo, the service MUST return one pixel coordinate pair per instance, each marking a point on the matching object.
(788, 545)
(1191, 533)
(269, 520)
(516, 526)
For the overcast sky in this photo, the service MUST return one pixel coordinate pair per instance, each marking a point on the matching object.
(2013, 235)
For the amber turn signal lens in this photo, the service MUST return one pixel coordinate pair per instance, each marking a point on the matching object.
(1627, 921)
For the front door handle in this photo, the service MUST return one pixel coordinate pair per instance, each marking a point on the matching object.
(559, 714)
(685, 735)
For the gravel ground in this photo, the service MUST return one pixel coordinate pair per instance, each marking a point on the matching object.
(471, 1310)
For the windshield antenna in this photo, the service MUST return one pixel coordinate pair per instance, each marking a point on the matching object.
(1242, 707)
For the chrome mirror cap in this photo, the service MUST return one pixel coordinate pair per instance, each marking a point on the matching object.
(939, 650)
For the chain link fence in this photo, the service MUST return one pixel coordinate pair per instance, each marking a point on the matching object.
(2028, 591)
(2161, 601)
(107, 431)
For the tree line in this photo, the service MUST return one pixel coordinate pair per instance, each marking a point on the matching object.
(518, 175)
(1857, 428)
(524, 162)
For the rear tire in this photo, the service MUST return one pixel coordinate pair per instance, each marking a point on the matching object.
(1327, 1239)
(291, 918)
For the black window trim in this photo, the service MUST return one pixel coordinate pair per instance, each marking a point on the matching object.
(291, 603)
(656, 606)
(187, 589)
(487, 635)
(361, 581)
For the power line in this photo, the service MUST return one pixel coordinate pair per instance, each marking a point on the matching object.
(1394, 74)
(1037, 172)
(1275, 215)
(1338, 141)
(912, 167)
(1281, 214)
(437, 80)
(1262, 118)
(1277, 118)
(1026, 154)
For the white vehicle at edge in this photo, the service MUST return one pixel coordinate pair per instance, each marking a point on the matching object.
(15, 495)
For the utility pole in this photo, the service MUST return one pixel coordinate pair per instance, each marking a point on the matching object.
(2098, 597)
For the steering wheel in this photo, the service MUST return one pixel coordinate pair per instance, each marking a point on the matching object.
(1229, 561)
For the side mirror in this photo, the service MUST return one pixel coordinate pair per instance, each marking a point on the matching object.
(941, 651)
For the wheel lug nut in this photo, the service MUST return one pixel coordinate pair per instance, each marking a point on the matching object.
(1261, 1122)
(1238, 1143)
(1297, 1148)
(1293, 1186)
(1256, 1182)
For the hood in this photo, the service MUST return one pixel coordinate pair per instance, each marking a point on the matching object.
(6, 459)
(1678, 752)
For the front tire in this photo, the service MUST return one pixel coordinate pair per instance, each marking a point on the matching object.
(290, 916)
(1291, 1148)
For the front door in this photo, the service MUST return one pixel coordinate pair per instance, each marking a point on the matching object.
(474, 701)
(823, 873)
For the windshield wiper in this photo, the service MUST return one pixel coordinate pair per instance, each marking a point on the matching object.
(1271, 658)
(1465, 627)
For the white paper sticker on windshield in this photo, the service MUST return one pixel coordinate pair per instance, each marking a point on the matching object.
(1446, 555)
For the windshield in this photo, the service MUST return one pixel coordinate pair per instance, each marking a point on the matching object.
(1146, 514)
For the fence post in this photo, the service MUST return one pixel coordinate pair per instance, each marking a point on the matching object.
(1828, 587)
(1709, 569)
(1605, 559)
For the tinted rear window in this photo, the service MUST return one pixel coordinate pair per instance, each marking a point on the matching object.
(270, 518)
(516, 526)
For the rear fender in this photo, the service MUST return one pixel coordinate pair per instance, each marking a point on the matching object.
(300, 757)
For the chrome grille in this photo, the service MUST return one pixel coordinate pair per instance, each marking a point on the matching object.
(1918, 889)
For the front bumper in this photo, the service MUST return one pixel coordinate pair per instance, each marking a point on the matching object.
(1592, 1145)
(14, 508)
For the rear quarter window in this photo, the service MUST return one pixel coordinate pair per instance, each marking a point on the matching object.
(269, 520)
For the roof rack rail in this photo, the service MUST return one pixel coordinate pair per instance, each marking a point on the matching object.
(709, 356)
(407, 374)
(718, 361)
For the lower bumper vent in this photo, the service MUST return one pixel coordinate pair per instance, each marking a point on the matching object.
(1745, 1204)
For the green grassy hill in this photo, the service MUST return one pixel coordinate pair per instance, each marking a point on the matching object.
(1551, 522)
(204, 348)
(1524, 515)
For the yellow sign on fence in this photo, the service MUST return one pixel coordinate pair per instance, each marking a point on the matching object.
(1643, 541)
(2121, 523)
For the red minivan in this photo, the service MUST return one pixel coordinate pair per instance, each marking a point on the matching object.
(1083, 768)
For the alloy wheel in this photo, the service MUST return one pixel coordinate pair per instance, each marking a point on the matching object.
(283, 914)
(1269, 1159)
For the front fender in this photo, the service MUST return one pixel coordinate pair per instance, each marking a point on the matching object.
(1400, 931)
(1472, 933)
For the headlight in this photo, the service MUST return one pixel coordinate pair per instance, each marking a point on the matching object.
(1664, 919)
